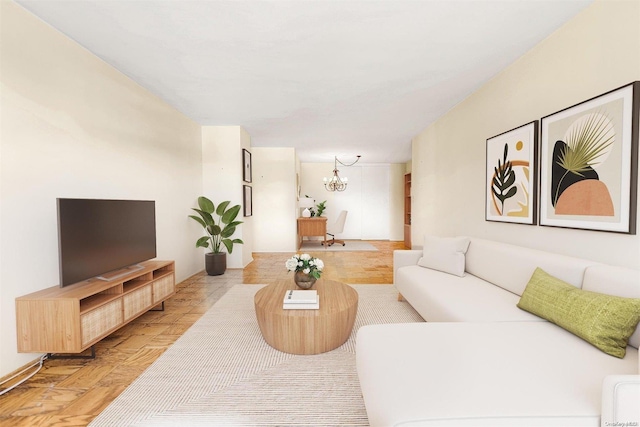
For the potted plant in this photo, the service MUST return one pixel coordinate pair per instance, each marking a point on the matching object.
(306, 268)
(320, 208)
(219, 231)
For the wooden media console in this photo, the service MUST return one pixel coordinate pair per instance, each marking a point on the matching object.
(73, 318)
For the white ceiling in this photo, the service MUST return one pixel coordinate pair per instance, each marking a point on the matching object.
(326, 77)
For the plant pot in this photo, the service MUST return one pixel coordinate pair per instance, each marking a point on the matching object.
(215, 264)
(304, 281)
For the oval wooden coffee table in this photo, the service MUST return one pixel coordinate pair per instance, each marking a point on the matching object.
(307, 331)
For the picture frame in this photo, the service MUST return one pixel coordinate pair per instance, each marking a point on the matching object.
(589, 163)
(246, 165)
(511, 174)
(247, 192)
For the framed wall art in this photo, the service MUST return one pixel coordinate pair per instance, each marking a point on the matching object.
(246, 165)
(510, 184)
(589, 153)
(248, 200)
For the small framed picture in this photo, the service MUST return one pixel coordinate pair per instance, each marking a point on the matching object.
(510, 182)
(248, 200)
(588, 166)
(246, 165)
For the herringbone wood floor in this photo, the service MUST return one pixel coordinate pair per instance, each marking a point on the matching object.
(73, 392)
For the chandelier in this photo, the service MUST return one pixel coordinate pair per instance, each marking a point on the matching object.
(335, 183)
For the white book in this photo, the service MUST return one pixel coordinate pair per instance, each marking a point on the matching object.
(296, 296)
(303, 306)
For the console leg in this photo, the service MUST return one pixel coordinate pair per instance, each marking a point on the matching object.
(158, 309)
(400, 297)
(53, 356)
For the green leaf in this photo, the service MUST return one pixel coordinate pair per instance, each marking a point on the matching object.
(206, 216)
(239, 241)
(231, 214)
(227, 232)
(511, 178)
(234, 223)
(512, 192)
(228, 244)
(214, 229)
(222, 207)
(587, 141)
(205, 204)
(199, 220)
(502, 184)
(203, 242)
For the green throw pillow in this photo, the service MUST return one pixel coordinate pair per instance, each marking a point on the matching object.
(606, 321)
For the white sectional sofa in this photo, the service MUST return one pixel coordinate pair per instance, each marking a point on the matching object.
(479, 360)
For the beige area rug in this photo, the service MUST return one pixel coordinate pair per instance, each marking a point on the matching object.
(221, 372)
(350, 246)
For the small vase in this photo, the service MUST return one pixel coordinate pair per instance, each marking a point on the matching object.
(304, 281)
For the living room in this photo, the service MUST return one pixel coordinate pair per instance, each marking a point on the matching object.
(96, 138)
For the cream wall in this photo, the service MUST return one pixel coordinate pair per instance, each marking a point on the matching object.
(274, 199)
(396, 201)
(222, 169)
(597, 51)
(72, 126)
(247, 222)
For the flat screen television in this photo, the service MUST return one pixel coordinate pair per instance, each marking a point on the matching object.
(99, 236)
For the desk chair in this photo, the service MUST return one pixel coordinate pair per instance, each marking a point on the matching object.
(336, 228)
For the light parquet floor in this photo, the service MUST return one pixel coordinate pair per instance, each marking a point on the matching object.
(73, 392)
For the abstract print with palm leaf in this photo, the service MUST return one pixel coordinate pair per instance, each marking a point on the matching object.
(576, 188)
(588, 165)
(510, 181)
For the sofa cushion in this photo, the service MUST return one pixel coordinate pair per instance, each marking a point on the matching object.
(606, 321)
(444, 254)
(430, 371)
(511, 267)
(612, 280)
(441, 297)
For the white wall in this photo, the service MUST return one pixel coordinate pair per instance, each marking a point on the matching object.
(375, 202)
(373, 198)
(597, 51)
(72, 126)
(274, 199)
(222, 180)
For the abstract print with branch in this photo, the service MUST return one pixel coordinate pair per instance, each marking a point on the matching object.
(588, 142)
(504, 178)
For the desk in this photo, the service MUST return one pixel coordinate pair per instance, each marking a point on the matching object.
(314, 226)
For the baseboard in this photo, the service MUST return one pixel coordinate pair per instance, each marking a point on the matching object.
(22, 368)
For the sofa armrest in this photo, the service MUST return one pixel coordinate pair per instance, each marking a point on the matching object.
(405, 257)
(620, 397)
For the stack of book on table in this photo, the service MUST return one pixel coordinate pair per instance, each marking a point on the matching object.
(301, 300)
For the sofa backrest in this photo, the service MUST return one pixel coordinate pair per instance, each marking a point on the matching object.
(619, 281)
(511, 267)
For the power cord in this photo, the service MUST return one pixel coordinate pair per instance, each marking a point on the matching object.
(39, 362)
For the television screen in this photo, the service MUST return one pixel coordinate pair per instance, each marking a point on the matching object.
(99, 236)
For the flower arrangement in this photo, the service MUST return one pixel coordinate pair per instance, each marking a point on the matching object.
(306, 264)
